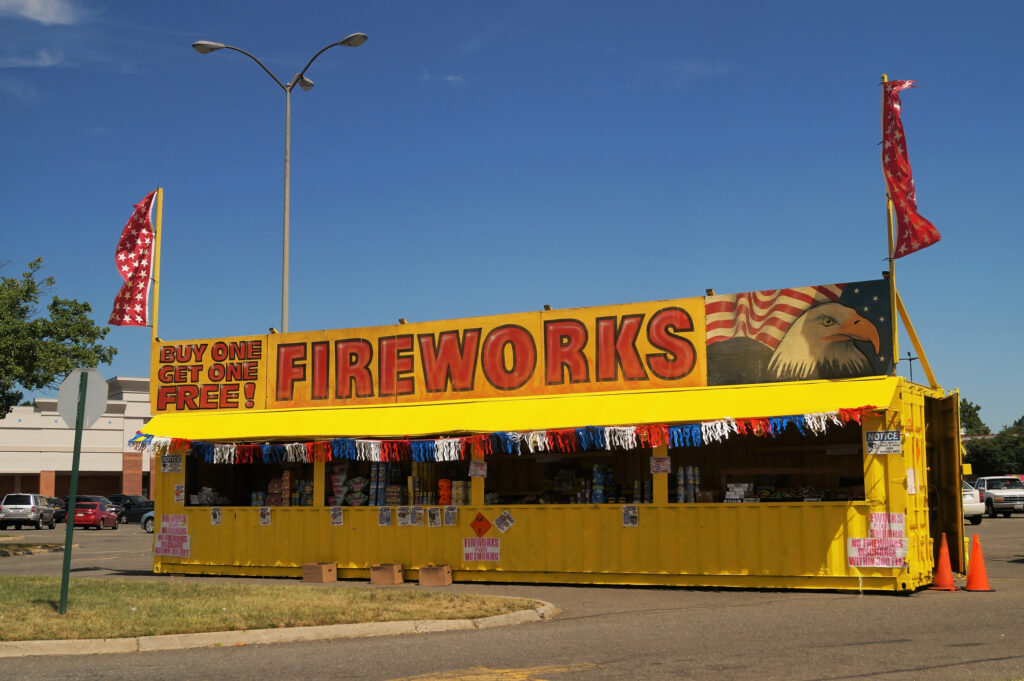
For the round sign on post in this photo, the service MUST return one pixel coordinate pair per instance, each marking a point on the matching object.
(95, 397)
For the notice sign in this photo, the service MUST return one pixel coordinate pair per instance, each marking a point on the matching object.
(481, 548)
(884, 442)
(170, 463)
(173, 538)
(876, 552)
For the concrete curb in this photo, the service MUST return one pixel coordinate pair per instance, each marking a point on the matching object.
(258, 636)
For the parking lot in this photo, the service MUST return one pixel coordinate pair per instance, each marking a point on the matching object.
(614, 632)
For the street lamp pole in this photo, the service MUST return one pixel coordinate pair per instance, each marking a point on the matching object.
(206, 47)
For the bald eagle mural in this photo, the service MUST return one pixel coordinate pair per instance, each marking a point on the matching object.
(808, 333)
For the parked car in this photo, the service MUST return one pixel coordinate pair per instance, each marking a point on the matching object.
(134, 513)
(116, 508)
(1002, 494)
(147, 522)
(974, 505)
(127, 500)
(95, 514)
(25, 509)
(60, 509)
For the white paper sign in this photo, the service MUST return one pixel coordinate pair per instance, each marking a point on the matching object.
(876, 552)
(170, 463)
(176, 545)
(884, 442)
(911, 481)
(179, 494)
(888, 525)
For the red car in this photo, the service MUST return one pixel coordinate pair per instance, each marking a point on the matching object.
(94, 514)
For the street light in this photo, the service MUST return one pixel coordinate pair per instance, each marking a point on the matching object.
(208, 46)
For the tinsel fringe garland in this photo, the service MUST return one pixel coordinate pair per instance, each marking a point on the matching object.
(566, 440)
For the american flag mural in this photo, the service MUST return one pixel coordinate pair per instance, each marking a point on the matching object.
(764, 316)
(134, 256)
(795, 334)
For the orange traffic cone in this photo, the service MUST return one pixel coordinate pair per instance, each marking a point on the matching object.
(943, 580)
(977, 579)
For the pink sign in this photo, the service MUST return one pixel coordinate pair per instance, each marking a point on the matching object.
(481, 548)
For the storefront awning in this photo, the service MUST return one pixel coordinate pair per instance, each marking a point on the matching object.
(531, 413)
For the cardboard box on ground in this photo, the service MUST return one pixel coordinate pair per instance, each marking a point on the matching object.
(319, 572)
(383, 574)
(435, 575)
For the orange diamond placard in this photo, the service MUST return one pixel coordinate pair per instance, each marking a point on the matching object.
(480, 524)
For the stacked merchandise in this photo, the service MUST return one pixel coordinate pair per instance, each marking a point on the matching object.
(421, 484)
(642, 490)
(286, 488)
(359, 492)
(687, 484)
(737, 492)
(376, 492)
(444, 492)
(339, 479)
(460, 492)
(304, 493)
(603, 483)
(259, 499)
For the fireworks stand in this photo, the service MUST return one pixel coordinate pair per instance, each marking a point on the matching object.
(753, 440)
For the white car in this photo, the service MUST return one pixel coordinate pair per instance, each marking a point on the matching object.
(974, 506)
(1002, 494)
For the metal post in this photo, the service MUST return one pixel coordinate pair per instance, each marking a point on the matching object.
(69, 519)
(287, 192)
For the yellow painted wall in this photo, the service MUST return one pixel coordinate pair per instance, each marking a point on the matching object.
(798, 545)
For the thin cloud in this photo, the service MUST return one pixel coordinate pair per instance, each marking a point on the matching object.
(688, 70)
(23, 92)
(451, 79)
(48, 12)
(41, 59)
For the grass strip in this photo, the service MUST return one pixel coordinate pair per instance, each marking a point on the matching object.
(105, 608)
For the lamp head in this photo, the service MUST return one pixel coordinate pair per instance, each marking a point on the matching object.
(354, 40)
(305, 83)
(207, 46)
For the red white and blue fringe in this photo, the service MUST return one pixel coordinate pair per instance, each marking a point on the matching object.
(566, 440)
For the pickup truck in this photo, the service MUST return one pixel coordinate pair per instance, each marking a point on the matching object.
(1001, 494)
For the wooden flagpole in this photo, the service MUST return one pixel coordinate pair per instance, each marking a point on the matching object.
(155, 273)
(892, 245)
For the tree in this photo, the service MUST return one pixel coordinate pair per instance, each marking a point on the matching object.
(970, 419)
(39, 351)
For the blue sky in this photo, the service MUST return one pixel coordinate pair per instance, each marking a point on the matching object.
(481, 158)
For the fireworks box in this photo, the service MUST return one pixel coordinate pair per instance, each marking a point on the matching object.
(435, 575)
(386, 573)
(319, 572)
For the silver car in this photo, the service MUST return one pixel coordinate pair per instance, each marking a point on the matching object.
(26, 509)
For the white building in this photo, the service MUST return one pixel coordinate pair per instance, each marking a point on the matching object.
(37, 447)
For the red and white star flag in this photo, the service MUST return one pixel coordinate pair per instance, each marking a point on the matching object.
(134, 257)
(913, 232)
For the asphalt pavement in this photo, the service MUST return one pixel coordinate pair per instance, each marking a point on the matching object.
(609, 632)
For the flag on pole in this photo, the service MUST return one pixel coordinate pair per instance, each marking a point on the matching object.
(134, 256)
(913, 231)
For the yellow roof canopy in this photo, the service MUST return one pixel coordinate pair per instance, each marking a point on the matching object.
(530, 413)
